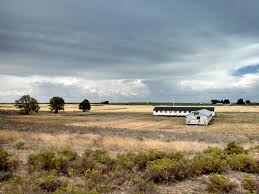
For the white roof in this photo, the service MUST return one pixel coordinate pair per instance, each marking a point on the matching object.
(204, 112)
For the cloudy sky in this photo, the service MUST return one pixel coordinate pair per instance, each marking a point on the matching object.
(129, 50)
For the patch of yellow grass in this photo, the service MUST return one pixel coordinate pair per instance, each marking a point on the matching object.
(10, 135)
(116, 143)
(237, 108)
(135, 108)
(112, 143)
(79, 142)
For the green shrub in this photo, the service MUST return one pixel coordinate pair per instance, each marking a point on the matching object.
(21, 184)
(142, 158)
(50, 183)
(44, 160)
(64, 160)
(169, 169)
(243, 162)
(250, 184)
(212, 160)
(97, 159)
(4, 158)
(161, 170)
(127, 160)
(70, 154)
(214, 151)
(7, 165)
(220, 184)
(99, 155)
(73, 190)
(138, 161)
(175, 155)
(19, 144)
(234, 148)
(96, 180)
(142, 186)
(184, 169)
(61, 163)
(48, 160)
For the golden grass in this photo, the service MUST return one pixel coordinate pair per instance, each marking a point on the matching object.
(10, 135)
(140, 118)
(115, 143)
(135, 108)
(225, 123)
(112, 143)
(79, 142)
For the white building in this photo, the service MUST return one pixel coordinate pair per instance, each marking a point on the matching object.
(178, 111)
(199, 117)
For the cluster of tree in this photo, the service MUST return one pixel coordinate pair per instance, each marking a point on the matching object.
(241, 101)
(29, 104)
(226, 101)
(105, 102)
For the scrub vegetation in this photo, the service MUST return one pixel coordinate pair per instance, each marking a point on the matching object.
(99, 171)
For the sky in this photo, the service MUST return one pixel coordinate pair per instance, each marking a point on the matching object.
(129, 50)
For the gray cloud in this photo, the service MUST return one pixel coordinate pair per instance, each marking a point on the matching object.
(163, 43)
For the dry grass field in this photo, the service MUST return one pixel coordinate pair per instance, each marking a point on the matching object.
(122, 128)
(135, 108)
(128, 127)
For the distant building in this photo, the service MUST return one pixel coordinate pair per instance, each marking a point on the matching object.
(199, 117)
(178, 111)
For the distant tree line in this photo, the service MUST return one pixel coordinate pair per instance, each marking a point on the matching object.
(29, 104)
(227, 101)
(241, 101)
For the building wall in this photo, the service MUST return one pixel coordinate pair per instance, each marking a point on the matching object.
(192, 119)
(171, 113)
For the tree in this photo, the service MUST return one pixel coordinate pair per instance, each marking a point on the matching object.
(240, 101)
(27, 104)
(248, 102)
(226, 101)
(213, 101)
(105, 102)
(85, 105)
(56, 104)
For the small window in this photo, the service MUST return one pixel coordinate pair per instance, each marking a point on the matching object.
(198, 117)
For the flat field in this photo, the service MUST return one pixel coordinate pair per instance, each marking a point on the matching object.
(122, 128)
(128, 127)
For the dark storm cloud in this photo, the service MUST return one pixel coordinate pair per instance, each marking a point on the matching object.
(163, 42)
(102, 34)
